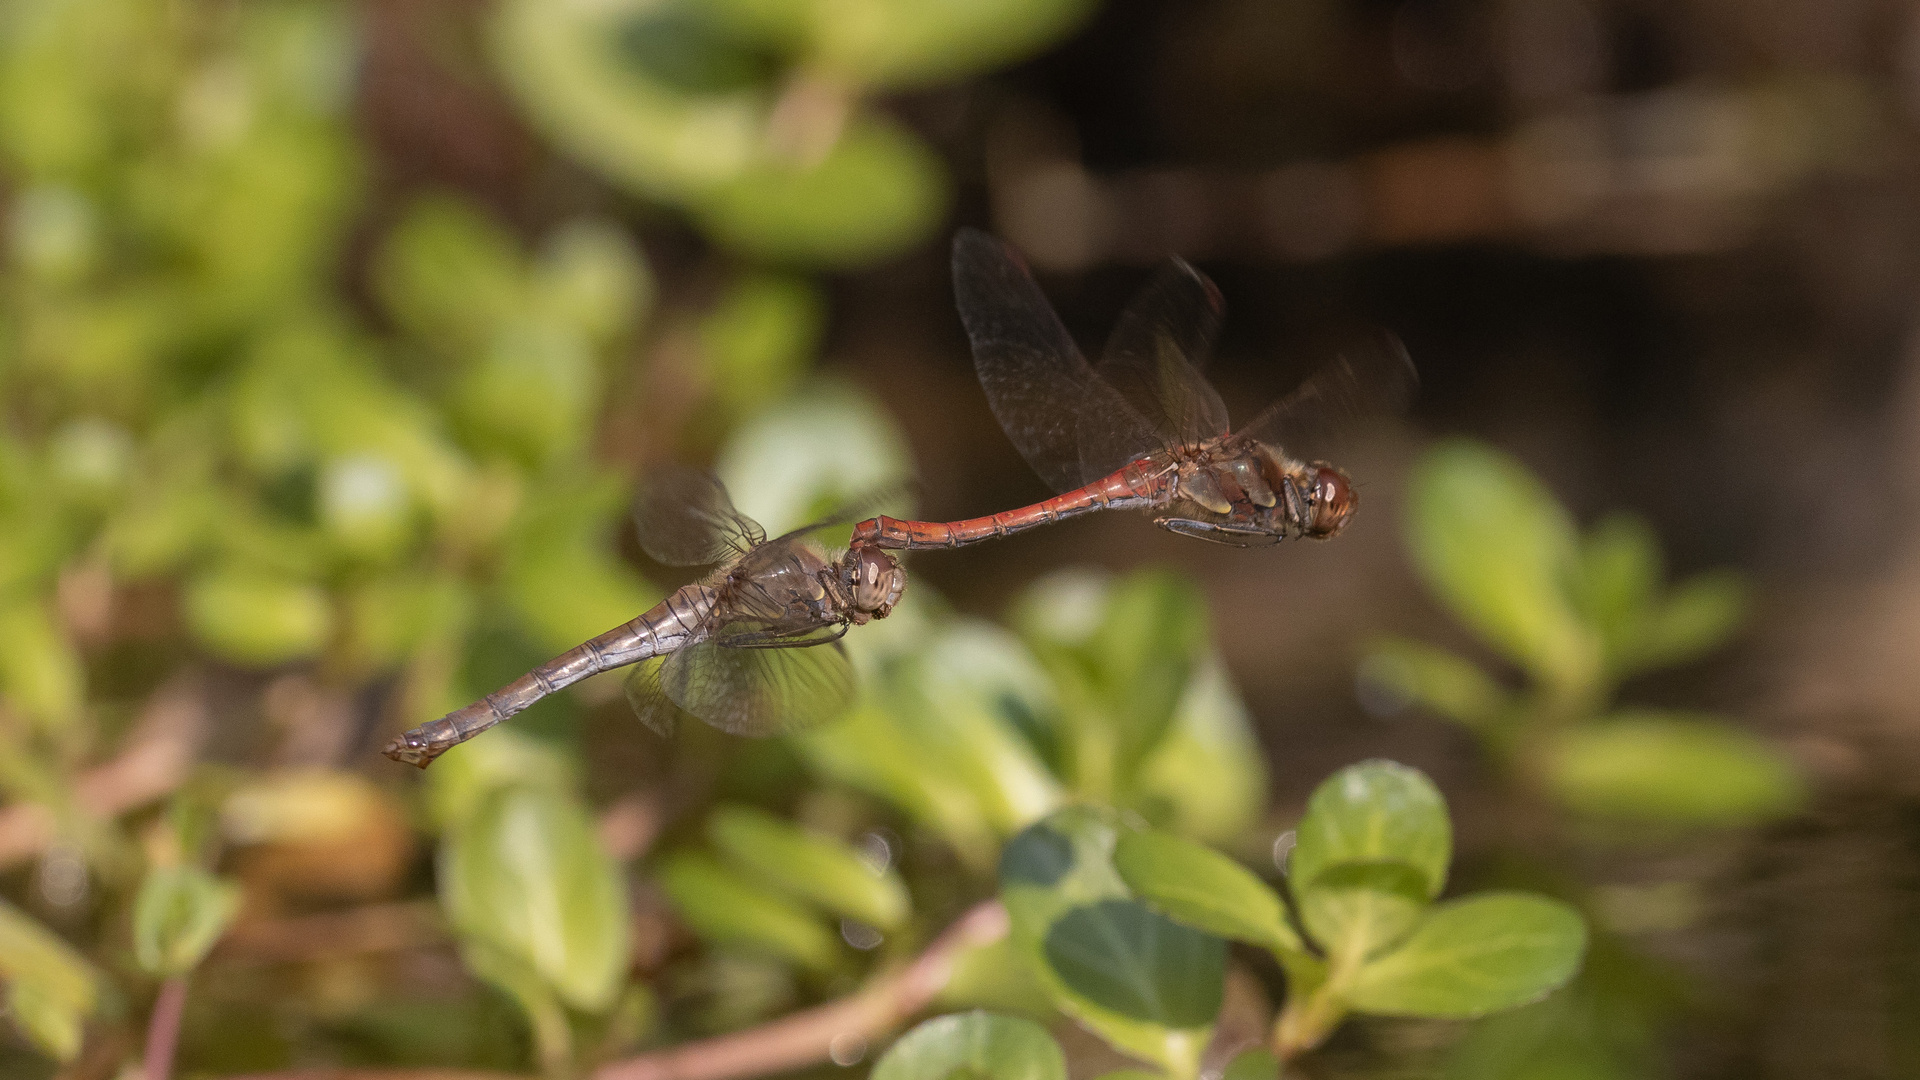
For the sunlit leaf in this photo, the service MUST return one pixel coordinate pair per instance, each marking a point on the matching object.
(1672, 768)
(902, 43)
(1699, 615)
(1475, 956)
(1204, 889)
(1497, 548)
(1374, 812)
(812, 453)
(179, 914)
(973, 1045)
(51, 989)
(1617, 574)
(1253, 1065)
(1433, 678)
(1207, 774)
(590, 277)
(878, 192)
(465, 777)
(526, 874)
(722, 906)
(759, 338)
(257, 618)
(819, 868)
(40, 672)
(1355, 910)
(580, 71)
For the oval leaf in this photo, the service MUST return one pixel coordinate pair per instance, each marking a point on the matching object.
(720, 906)
(1475, 956)
(1497, 548)
(179, 914)
(975, 1044)
(1204, 889)
(1124, 956)
(527, 875)
(1357, 910)
(51, 989)
(819, 868)
(1664, 768)
(1373, 812)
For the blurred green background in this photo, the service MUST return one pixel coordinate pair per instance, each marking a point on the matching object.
(334, 339)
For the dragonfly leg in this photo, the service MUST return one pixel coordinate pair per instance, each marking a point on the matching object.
(785, 639)
(1231, 535)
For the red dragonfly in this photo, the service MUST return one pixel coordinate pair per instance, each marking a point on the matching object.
(1145, 429)
(751, 648)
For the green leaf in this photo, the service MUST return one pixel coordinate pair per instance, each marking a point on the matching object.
(1355, 910)
(1673, 768)
(51, 989)
(1617, 575)
(878, 192)
(179, 914)
(1147, 650)
(1475, 956)
(1698, 616)
(257, 618)
(759, 338)
(1059, 873)
(1207, 777)
(1126, 957)
(1132, 1074)
(590, 277)
(40, 672)
(526, 874)
(721, 906)
(896, 43)
(450, 275)
(462, 781)
(819, 868)
(1435, 679)
(813, 452)
(1204, 889)
(1374, 812)
(1498, 550)
(578, 79)
(1252, 1065)
(559, 569)
(973, 1046)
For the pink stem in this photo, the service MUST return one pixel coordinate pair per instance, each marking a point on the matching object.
(163, 1027)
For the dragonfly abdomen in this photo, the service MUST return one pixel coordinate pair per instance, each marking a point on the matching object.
(668, 625)
(1140, 483)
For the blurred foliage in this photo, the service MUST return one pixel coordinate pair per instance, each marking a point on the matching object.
(1578, 616)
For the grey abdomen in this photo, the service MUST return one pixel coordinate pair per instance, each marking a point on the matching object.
(677, 621)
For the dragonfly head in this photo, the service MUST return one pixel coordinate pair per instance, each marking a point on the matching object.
(874, 582)
(1331, 500)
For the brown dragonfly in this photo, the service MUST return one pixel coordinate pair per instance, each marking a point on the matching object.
(1145, 429)
(751, 648)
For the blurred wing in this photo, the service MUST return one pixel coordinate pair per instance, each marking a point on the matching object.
(1067, 422)
(1374, 379)
(1156, 352)
(759, 691)
(685, 518)
(650, 703)
(856, 509)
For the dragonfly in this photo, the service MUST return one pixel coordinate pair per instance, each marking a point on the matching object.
(1145, 429)
(752, 648)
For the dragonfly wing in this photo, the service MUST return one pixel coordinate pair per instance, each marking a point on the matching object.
(685, 518)
(1376, 378)
(650, 703)
(1158, 348)
(1061, 416)
(759, 691)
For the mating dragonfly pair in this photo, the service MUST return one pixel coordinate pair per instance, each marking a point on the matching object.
(753, 647)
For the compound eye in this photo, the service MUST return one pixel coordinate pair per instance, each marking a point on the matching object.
(1334, 501)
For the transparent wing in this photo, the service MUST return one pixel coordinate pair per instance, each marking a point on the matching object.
(758, 691)
(685, 518)
(650, 703)
(855, 509)
(1068, 423)
(1157, 350)
(1375, 378)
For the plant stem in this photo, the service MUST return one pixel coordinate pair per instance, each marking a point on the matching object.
(163, 1027)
